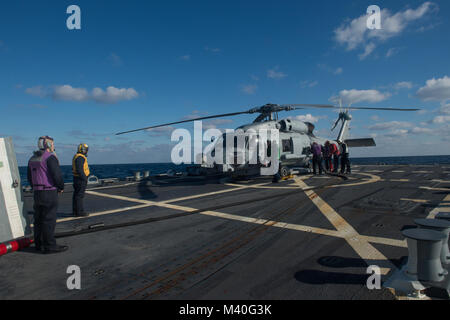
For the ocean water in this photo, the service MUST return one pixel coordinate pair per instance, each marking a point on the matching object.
(122, 171)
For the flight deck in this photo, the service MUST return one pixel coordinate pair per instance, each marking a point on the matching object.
(309, 237)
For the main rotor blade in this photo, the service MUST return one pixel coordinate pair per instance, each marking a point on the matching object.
(324, 106)
(308, 105)
(184, 121)
(384, 109)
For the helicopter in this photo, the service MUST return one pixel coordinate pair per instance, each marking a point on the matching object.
(295, 138)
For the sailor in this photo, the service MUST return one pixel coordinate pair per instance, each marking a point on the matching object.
(316, 150)
(334, 151)
(45, 177)
(80, 170)
(345, 159)
(327, 156)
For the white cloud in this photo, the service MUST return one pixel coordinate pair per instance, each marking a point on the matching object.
(355, 96)
(338, 71)
(308, 84)
(421, 130)
(37, 91)
(249, 89)
(435, 90)
(375, 118)
(367, 51)
(397, 133)
(325, 67)
(213, 124)
(194, 115)
(445, 109)
(275, 74)
(441, 119)
(391, 52)
(403, 85)
(115, 60)
(390, 125)
(161, 131)
(69, 93)
(308, 118)
(355, 34)
(214, 50)
(113, 95)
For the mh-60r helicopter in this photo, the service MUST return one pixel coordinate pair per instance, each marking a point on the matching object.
(295, 136)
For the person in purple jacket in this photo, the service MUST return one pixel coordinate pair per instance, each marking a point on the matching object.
(45, 177)
(316, 150)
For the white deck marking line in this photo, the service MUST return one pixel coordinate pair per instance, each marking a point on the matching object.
(386, 241)
(440, 181)
(102, 213)
(422, 172)
(360, 244)
(144, 205)
(434, 189)
(398, 171)
(240, 187)
(439, 209)
(112, 187)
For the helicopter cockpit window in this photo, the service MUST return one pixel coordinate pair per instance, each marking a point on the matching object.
(269, 148)
(287, 145)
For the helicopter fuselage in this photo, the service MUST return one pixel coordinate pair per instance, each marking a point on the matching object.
(294, 144)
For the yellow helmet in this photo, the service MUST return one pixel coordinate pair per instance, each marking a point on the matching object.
(83, 148)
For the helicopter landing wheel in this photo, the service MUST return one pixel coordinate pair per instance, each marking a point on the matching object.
(284, 172)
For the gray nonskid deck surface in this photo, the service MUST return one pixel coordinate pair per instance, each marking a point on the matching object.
(250, 240)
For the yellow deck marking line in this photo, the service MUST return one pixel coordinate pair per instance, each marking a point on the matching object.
(321, 231)
(360, 244)
(439, 209)
(372, 178)
(344, 230)
(260, 186)
(415, 200)
(399, 180)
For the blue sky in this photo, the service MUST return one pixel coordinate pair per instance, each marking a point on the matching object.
(138, 63)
